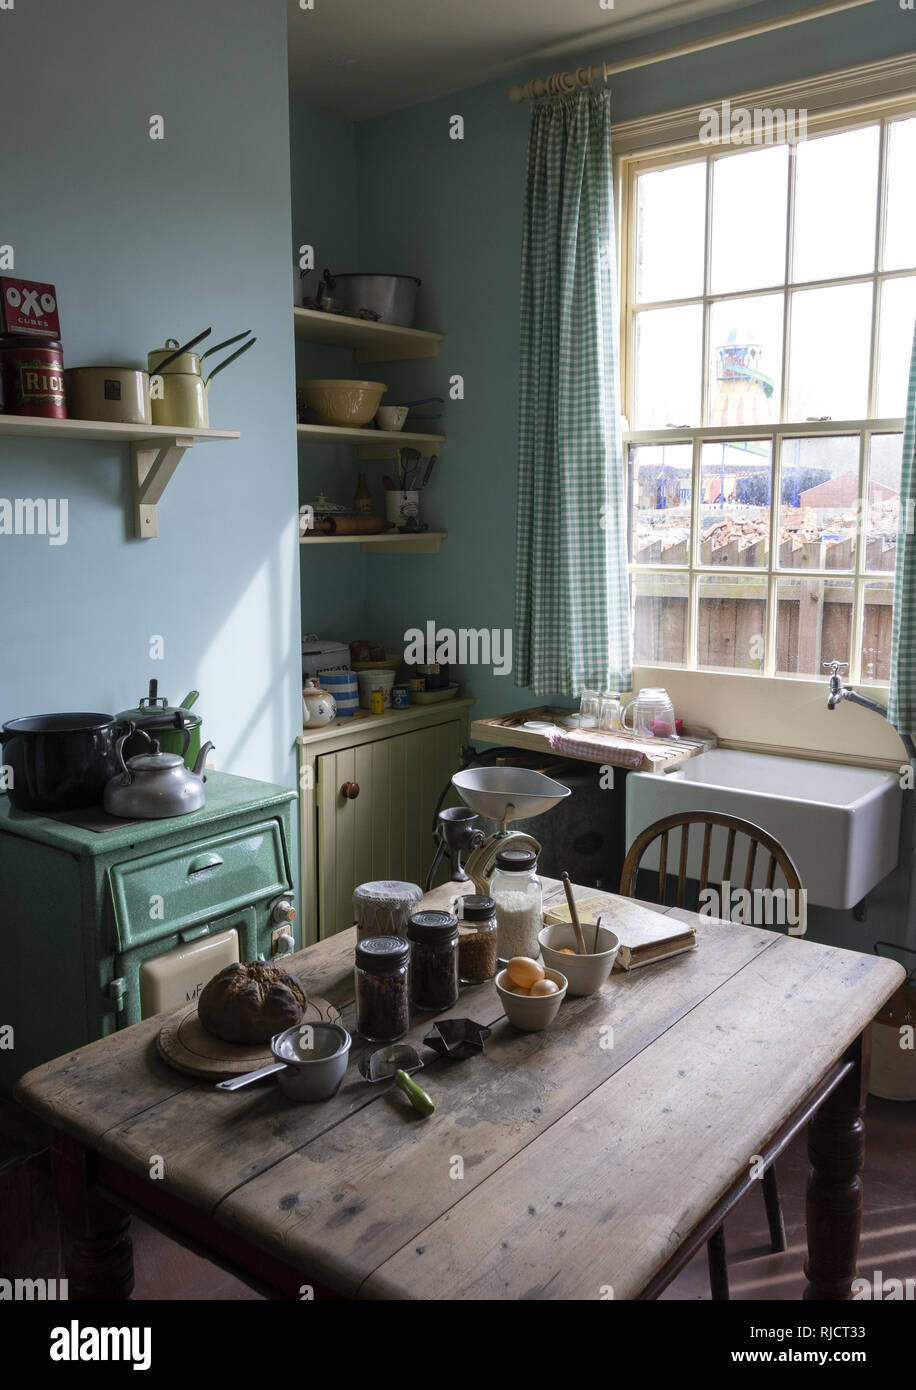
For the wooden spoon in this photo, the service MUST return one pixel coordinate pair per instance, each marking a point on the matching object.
(574, 914)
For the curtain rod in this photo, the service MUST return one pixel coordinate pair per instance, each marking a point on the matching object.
(560, 83)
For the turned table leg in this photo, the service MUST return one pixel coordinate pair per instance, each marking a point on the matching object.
(95, 1235)
(836, 1149)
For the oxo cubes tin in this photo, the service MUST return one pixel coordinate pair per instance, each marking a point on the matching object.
(28, 306)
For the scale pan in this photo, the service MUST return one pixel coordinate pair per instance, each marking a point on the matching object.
(491, 791)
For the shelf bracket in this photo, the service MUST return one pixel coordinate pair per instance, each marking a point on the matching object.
(151, 472)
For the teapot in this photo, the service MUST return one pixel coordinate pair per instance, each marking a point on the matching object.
(653, 715)
(154, 785)
(318, 706)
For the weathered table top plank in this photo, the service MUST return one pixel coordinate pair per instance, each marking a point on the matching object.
(649, 1152)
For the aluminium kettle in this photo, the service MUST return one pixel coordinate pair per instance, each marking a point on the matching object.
(155, 785)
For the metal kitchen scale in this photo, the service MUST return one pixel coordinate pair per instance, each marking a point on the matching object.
(503, 794)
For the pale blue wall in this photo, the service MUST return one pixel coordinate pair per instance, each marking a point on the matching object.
(146, 240)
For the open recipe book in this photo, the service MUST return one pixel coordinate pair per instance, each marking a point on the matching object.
(644, 935)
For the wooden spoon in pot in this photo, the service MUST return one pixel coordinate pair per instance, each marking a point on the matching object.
(574, 914)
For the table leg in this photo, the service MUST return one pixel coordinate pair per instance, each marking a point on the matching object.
(836, 1149)
(95, 1239)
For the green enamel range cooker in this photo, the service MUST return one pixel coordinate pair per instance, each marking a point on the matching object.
(157, 718)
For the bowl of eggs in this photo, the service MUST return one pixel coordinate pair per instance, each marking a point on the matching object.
(585, 973)
(531, 993)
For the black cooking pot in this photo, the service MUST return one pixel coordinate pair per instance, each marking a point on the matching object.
(60, 762)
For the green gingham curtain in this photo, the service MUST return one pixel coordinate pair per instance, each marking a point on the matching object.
(572, 592)
(901, 709)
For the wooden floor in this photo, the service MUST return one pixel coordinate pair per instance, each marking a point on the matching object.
(164, 1270)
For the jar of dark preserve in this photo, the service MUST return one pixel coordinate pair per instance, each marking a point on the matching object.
(382, 1007)
(433, 938)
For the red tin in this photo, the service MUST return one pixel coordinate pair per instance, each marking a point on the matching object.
(29, 307)
(32, 377)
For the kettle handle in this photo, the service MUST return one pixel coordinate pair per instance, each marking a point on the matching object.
(183, 728)
(130, 728)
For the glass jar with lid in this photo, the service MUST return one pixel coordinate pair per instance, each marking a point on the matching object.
(477, 937)
(382, 1008)
(433, 938)
(516, 890)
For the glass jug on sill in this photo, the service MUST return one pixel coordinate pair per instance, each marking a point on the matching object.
(653, 714)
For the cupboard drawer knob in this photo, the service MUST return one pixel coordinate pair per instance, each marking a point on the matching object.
(350, 790)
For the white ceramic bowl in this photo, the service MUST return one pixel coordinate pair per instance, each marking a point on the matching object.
(586, 974)
(391, 417)
(532, 1012)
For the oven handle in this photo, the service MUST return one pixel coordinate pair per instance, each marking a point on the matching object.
(203, 862)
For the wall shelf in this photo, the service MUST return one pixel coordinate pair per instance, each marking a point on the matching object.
(372, 444)
(370, 341)
(390, 543)
(155, 453)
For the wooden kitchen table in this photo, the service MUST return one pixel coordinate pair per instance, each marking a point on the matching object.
(587, 1161)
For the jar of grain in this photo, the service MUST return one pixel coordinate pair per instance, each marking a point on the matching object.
(516, 890)
(477, 938)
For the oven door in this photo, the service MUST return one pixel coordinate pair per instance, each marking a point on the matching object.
(168, 973)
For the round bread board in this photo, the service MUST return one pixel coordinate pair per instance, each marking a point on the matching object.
(187, 1047)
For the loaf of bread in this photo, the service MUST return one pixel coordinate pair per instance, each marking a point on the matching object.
(249, 1003)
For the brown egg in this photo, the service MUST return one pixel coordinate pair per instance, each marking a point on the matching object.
(565, 951)
(524, 971)
(544, 987)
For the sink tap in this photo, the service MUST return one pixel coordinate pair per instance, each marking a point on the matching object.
(839, 691)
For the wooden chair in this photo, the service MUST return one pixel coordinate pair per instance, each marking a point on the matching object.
(758, 839)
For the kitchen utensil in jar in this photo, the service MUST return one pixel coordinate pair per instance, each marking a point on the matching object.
(574, 914)
(401, 506)
(653, 714)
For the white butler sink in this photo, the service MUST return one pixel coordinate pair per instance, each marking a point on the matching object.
(840, 824)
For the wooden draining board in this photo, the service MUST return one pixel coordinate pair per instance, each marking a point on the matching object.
(658, 755)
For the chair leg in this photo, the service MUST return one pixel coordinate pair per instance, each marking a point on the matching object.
(774, 1211)
(718, 1265)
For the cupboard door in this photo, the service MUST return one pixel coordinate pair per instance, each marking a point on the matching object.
(385, 831)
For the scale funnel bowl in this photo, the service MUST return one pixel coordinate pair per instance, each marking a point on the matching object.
(508, 793)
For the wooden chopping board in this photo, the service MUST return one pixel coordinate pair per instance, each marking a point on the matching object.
(188, 1047)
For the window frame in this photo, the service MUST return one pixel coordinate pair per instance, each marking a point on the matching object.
(660, 142)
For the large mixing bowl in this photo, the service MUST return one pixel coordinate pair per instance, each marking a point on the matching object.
(346, 403)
